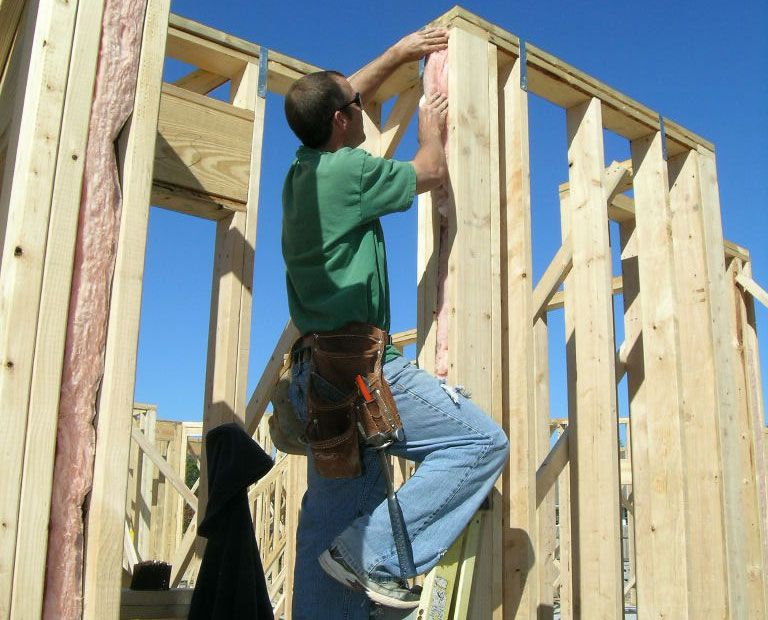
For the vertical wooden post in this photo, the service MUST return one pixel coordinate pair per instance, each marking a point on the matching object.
(703, 484)
(475, 321)
(593, 442)
(33, 107)
(751, 355)
(520, 587)
(107, 507)
(566, 543)
(742, 597)
(568, 581)
(666, 529)
(746, 459)
(34, 508)
(230, 324)
(427, 274)
(545, 513)
(636, 385)
(144, 497)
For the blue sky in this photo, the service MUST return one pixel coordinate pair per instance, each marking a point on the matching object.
(701, 64)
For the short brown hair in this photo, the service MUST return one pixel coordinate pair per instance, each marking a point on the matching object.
(310, 105)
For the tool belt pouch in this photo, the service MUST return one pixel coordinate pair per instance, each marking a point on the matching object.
(335, 419)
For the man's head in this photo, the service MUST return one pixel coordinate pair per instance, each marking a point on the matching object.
(323, 112)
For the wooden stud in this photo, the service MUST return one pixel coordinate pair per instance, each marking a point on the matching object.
(520, 589)
(633, 348)
(105, 517)
(751, 355)
(593, 444)
(428, 250)
(666, 530)
(230, 325)
(746, 459)
(568, 594)
(722, 325)
(34, 509)
(33, 129)
(545, 507)
(472, 169)
(145, 475)
(701, 458)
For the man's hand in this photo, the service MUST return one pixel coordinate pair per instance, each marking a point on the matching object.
(429, 161)
(432, 115)
(420, 43)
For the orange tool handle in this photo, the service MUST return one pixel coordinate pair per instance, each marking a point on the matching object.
(363, 389)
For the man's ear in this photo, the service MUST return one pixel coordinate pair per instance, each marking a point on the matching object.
(340, 119)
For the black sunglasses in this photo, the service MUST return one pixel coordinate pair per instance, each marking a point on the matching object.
(356, 100)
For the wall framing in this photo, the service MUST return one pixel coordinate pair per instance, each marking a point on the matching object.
(694, 385)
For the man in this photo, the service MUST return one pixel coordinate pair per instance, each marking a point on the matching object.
(333, 247)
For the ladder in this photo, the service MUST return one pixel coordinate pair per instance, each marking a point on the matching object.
(447, 587)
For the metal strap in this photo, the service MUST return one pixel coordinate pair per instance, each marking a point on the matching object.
(523, 67)
(263, 71)
(663, 137)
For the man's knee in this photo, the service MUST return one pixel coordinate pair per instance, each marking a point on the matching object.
(499, 451)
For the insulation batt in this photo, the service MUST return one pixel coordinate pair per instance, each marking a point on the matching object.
(83, 367)
(436, 80)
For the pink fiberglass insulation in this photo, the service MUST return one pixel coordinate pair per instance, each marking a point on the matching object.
(436, 80)
(83, 367)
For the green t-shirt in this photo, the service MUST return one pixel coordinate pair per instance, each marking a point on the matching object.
(333, 244)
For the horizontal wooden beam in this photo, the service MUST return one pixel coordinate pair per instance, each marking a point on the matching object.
(201, 81)
(558, 299)
(203, 146)
(558, 82)
(404, 338)
(219, 52)
(182, 200)
(140, 604)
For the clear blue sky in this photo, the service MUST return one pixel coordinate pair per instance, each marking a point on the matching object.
(701, 64)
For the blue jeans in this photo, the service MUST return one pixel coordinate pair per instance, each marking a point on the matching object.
(461, 452)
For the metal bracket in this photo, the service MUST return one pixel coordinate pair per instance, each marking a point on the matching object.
(263, 71)
(663, 138)
(523, 67)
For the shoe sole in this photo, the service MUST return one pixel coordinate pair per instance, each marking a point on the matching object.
(349, 579)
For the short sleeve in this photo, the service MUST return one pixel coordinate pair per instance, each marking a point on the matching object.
(386, 186)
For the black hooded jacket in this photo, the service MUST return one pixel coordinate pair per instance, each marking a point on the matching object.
(231, 584)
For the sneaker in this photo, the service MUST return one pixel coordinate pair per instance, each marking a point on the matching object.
(392, 593)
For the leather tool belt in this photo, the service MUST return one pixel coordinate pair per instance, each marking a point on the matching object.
(340, 414)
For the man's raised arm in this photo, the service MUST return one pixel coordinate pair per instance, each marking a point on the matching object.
(367, 80)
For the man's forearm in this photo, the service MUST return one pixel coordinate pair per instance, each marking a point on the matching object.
(369, 79)
(410, 48)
